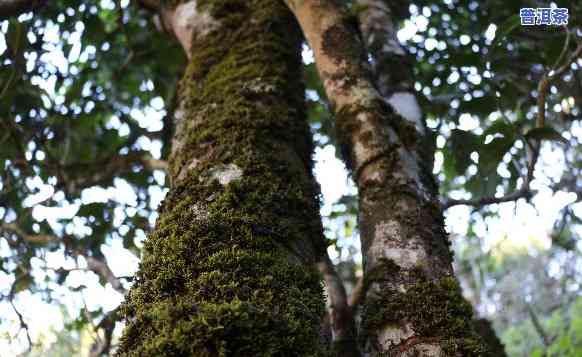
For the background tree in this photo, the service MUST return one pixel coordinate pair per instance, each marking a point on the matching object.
(83, 135)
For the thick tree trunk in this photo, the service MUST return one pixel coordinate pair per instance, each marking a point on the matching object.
(413, 304)
(227, 270)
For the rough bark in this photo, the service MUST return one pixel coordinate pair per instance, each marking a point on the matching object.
(391, 66)
(226, 270)
(413, 304)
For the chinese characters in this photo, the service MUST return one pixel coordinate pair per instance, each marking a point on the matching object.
(544, 16)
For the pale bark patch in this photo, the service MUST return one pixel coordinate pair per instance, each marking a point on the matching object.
(409, 163)
(188, 23)
(405, 104)
(224, 174)
(393, 46)
(407, 258)
(427, 350)
(389, 234)
(391, 335)
(200, 212)
(363, 94)
(259, 86)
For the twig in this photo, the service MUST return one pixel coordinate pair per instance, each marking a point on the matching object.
(97, 265)
(548, 78)
(100, 267)
(546, 340)
(107, 324)
(23, 324)
(29, 238)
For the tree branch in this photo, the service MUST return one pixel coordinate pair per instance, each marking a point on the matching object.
(341, 316)
(549, 77)
(546, 340)
(94, 173)
(9, 8)
(484, 201)
(100, 267)
(29, 238)
(102, 346)
(23, 324)
(97, 265)
(543, 87)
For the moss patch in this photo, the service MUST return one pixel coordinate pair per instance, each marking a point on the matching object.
(435, 309)
(339, 43)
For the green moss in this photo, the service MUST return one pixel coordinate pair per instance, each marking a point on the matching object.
(435, 309)
(339, 43)
(407, 133)
(484, 328)
(224, 272)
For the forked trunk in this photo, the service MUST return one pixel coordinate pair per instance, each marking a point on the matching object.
(413, 304)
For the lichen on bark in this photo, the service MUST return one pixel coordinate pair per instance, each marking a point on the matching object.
(227, 269)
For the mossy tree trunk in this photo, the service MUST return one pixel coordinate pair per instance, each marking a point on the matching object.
(392, 73)
(227, 270)
(413, 304)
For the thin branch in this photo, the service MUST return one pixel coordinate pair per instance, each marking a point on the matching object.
(100, 267)
(102, 346)
(29, 238)
(154, 164)
(97, 265)
(104, 170)
(483, 201)
(547, 80)
(23, 324)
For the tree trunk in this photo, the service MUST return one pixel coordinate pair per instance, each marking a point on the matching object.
(228, 268)
(413, 304)
(392, 71)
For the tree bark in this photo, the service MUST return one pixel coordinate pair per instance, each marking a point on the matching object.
(229, 268)
(392, 72)
(413, 304)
